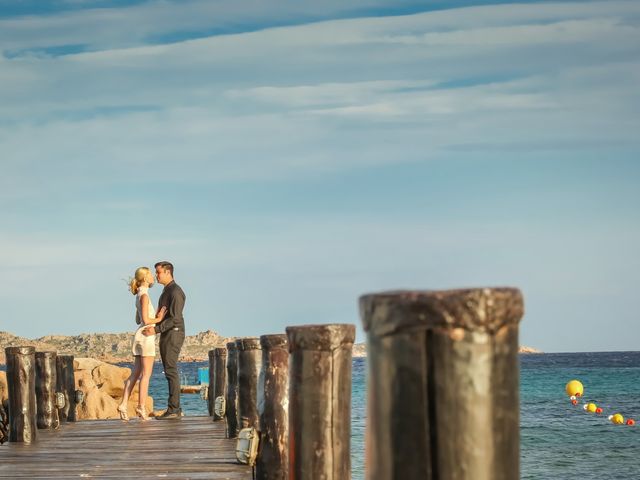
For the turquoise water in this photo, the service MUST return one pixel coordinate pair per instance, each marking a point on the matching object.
(558, 440)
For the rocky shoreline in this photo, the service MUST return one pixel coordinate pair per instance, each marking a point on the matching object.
(111, 347)
(116, 347)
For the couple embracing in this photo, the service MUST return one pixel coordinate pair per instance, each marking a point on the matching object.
(169, 323)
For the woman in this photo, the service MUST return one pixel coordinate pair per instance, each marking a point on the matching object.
(143, 347)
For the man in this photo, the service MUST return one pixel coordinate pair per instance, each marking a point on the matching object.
(171, 330)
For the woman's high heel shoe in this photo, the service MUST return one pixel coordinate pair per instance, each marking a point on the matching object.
(123, 413)
(142, 412)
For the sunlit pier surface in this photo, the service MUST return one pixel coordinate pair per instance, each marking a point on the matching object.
(191, 447)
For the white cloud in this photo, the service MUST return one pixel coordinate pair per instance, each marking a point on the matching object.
(287, 104)
(100, 28)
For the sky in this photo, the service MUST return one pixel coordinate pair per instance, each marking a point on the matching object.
(290, 156)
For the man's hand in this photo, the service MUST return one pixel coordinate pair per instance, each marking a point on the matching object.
(150, 330)
(161, 313)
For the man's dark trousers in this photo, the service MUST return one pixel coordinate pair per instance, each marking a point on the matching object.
(170, 344)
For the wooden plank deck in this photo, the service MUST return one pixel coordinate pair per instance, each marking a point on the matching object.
(188, 448)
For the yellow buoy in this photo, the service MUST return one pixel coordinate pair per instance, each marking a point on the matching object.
(617, 419)
(591, 407)
(574, 388)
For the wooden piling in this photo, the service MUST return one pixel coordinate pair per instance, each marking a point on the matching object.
(320, 401)
(443, 384)
(66, 385)
(231, 417)
(273, 409)
(4, 424)
(210, 398)
(219, 377)
(21, 389)
(249, 363)
(46, 384)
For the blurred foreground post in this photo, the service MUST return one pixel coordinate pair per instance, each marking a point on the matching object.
(443, 384)
(273, 409)
(219, 377)
(231, 416)
(46, 383)
(21, 386)
(67, 386)
(249, 363)
(320, 401)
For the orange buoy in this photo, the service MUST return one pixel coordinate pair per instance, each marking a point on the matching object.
(631, 422)
(598, 410)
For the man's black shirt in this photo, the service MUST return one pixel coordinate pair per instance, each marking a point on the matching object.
(173, 298)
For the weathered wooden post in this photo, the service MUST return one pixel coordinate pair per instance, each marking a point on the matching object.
(232, 391)
(46, 377)
(443, 384)
(249, 363)
(210, 398)
(320, 401)
(273, 409)
(67, 386)
(21, 389)
(219, 377)
(4, 424)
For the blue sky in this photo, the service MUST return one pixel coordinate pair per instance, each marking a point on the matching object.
(291, 156)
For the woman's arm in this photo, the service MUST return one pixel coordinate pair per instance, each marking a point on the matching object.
(144, 311)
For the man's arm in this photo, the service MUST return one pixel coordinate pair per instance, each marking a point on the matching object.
(174, 310)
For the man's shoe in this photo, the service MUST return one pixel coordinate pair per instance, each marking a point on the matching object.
(170, 415)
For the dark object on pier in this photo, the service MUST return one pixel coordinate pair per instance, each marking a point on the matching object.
(219, 377)
(249, 363)
(443, 384)
(46, 375)
(231, 417)
(67, 386)
(21, 386)
(210, 398)
(273, 400)
(320, 401)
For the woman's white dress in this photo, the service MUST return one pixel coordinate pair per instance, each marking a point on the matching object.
(143, 345)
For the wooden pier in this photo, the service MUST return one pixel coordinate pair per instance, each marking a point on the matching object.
(192, 447)
(442, 402)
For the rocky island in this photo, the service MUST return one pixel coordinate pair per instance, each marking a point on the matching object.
(111, 347)
(116, 347)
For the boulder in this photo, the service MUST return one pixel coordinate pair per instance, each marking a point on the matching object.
(97, 405)
(110, 378)
(103, 386)
(84, 380)
(86, 363)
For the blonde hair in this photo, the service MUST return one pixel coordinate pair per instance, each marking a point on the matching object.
(137, 279)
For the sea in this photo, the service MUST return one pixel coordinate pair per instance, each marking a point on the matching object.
(557, 440)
